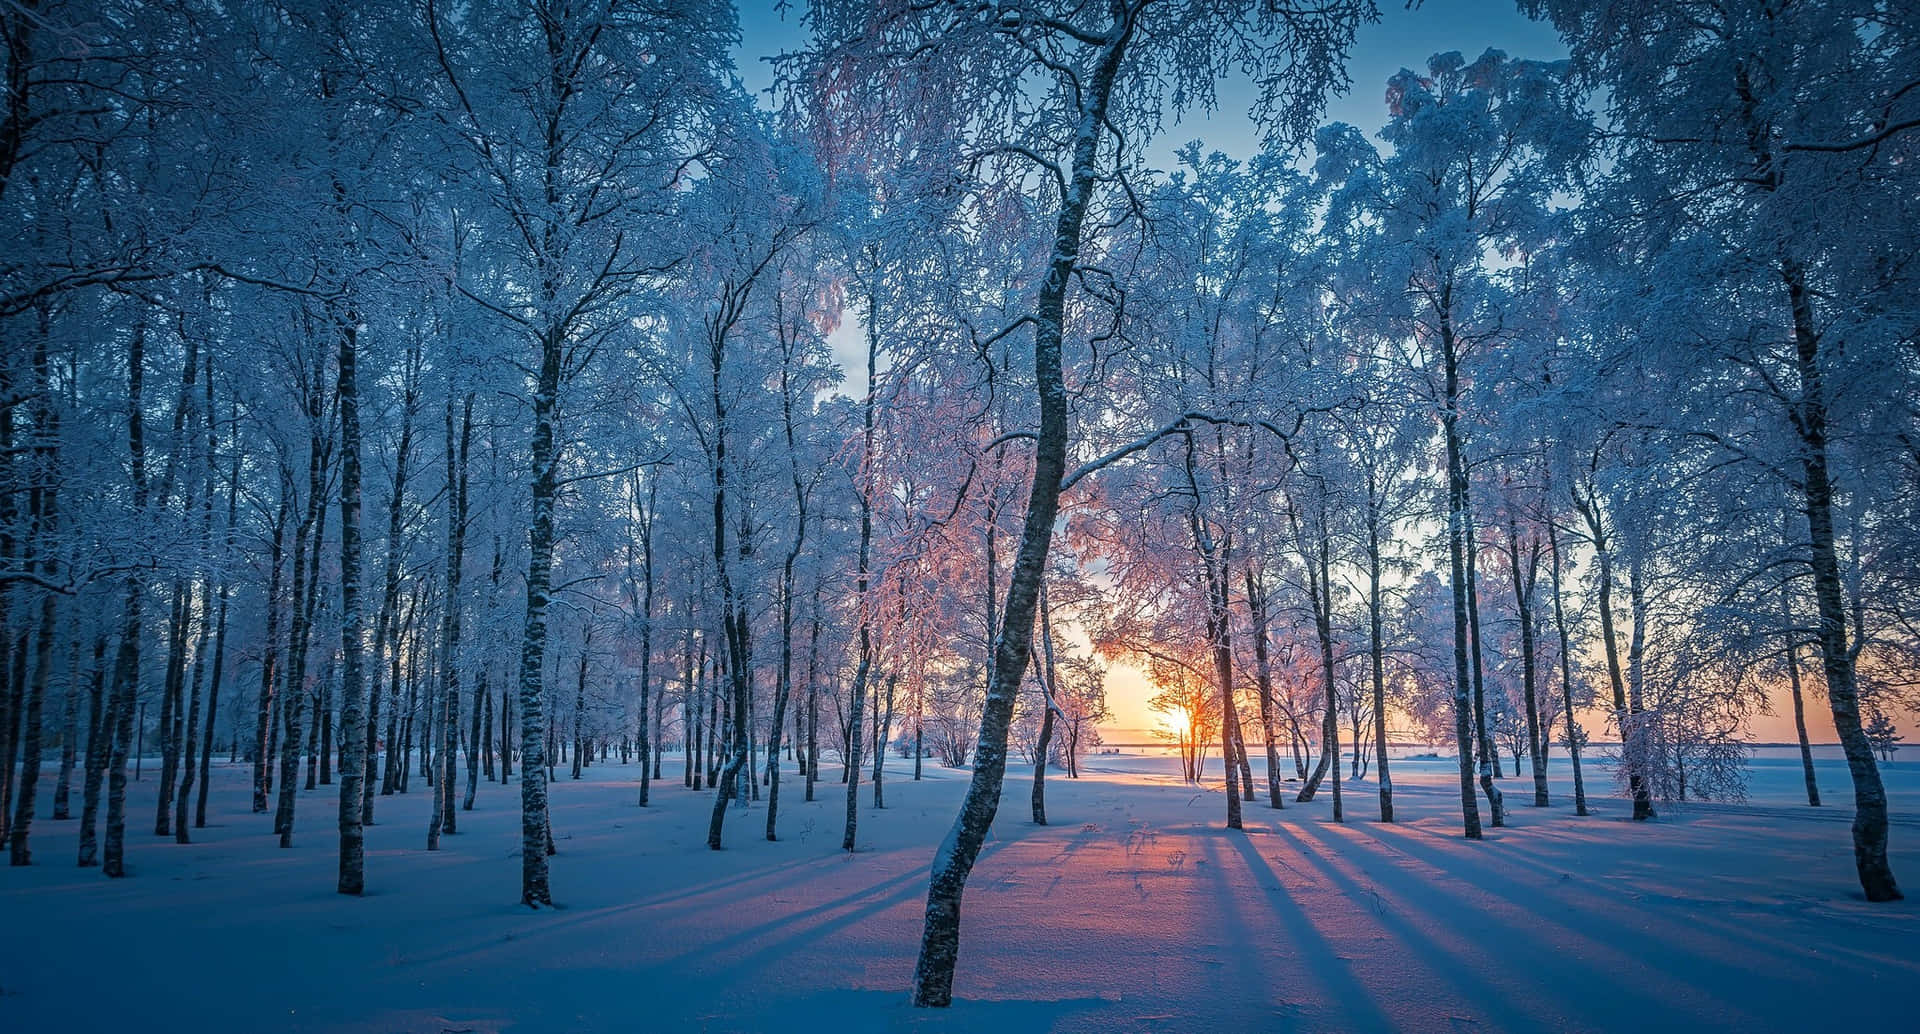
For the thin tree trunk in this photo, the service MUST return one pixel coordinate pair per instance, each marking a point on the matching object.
(1603, 554)
(506, 736)
(101, 721)
(1524, 573)
(1377, 647)
(1457, 547)
(647, 738)
(220, 622)
(1048, 705)
(1320, 593)
(294, 691)
(69, 730)
(213, 705)
(190, 743)
(813, 694)
(1263, 682)
(353, 714)
(318, 702)
(1213, 561)
(1799, 703)
(883, 731)
(10, 685)
(1566, 673)
(783, 689)
(696, 714)
(442, 819)
(580, 708)
(715, 670)
(865, 669)
(126, 665)
(31, 747)
(173, 696)
(1240, 757)
(126, 683)
(170, 698)
(44, 506)
(323, 753)
(479, 743)
(1489, 755)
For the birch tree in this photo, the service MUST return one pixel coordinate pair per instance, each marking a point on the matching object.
(1100, 74)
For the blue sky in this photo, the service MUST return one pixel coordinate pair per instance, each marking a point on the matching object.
(1401, 39)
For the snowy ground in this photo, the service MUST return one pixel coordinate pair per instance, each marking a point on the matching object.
(1133, 911)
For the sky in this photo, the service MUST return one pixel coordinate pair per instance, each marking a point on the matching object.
(1403, 38)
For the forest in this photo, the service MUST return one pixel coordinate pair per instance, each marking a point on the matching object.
(418, 408)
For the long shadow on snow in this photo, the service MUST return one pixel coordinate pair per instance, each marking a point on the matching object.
(1559, 955)
(1315, 951)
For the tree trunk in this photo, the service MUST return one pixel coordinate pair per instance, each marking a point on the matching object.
(126, 684)
(69, 731)
(101, 722)
(294, 691)
(865, 668)
(1589, 508)
(715, 670)
(1048, 706)
(441, 821)
(220, 621)
(44, 506)
(534, 890)
(1238, 729)
(1214, 560)
(1457, 546)
(1843, 695)
(1489, 755)
(126, 665)
(813, 694)
(9, 513)
(213, 697)
(353, 715)
(647, 738)
(173, 696)
(1799, 703)
(1377, 647)
(264, 718)
(323, 753)
(190, 742)
(1566, 670)
(1320, 591)
(882, 729)
(1263, 681)
(1524, 572)
(179, 611)
(1221, 647)
(783, 688)
(383, 619)
(506, 735)
(953, 862)
(580, 709)
(32, 719)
